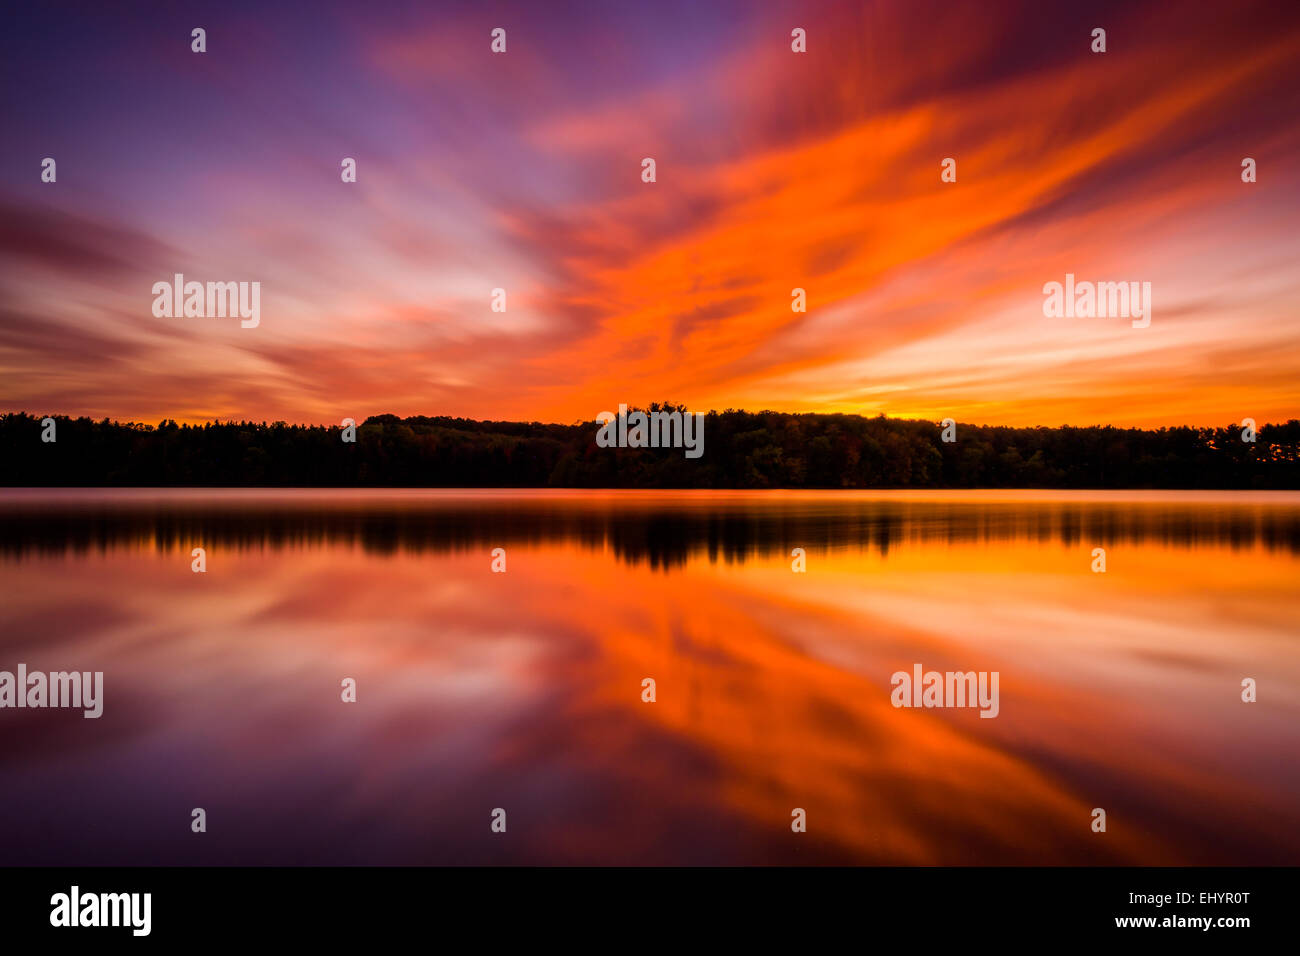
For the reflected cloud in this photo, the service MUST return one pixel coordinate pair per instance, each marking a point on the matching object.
(522, 690)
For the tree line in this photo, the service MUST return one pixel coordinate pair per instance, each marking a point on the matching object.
(742, 450)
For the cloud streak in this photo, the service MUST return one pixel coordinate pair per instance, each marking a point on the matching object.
(775, 171)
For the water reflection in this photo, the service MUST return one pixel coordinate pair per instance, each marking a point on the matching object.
(664, 529)
(523, 690)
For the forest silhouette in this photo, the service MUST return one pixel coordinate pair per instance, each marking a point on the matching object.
(742, 450)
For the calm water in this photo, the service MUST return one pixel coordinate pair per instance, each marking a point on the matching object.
(522, 690)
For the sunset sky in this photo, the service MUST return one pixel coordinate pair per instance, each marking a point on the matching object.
(775, 170)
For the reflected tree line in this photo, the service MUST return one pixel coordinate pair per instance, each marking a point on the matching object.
(741, 450)
(664, 535)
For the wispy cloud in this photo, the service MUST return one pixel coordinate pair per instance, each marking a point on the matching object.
(775, 171)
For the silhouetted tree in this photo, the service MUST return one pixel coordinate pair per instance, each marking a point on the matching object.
(741, 450)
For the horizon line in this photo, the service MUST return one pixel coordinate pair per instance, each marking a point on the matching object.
(195, 422)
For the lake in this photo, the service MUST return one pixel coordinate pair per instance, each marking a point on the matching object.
(523, 690)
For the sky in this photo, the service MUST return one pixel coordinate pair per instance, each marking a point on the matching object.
(775, 170)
